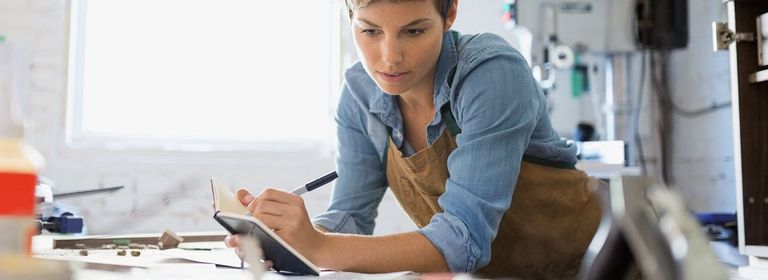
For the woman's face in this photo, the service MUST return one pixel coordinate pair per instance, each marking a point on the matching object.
(399, 43)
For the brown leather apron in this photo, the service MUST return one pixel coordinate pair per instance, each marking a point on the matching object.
(543, 235)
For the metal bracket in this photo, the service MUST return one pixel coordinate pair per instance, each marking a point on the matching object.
(723, 37)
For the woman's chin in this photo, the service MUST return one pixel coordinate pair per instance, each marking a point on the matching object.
(392, 90)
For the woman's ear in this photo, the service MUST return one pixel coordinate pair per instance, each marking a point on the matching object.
(451, 16)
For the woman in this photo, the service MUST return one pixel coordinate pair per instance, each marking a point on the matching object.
(454, 125)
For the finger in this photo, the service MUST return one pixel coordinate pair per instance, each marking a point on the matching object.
(268, 264)
(232, 240)
(268, 207)
(273, 222)
(277, 196)
(244, 196)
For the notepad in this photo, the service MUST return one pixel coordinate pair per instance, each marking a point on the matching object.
(226, 201)
(230, 213)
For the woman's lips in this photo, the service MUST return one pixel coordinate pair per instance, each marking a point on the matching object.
(394, 77)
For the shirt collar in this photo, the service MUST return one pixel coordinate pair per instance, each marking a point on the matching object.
(447, 61)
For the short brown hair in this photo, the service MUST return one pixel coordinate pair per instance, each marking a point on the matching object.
(354, 5)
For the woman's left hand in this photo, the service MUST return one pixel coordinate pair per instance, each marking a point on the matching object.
(286, 214)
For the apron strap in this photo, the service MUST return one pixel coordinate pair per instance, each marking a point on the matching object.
(386, 149)
(450, 121)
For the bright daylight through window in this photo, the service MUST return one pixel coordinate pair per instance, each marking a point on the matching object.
(145, 72)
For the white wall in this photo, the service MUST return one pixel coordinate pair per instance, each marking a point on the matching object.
(702, 149)
(476, 16)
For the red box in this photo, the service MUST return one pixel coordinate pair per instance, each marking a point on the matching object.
(17, 194)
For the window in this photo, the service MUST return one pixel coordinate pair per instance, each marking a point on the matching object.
(201, 74)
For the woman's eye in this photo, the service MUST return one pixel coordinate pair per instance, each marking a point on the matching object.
(414, 32)
(369, 32)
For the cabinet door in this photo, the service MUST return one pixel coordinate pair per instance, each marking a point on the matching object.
(750, 117)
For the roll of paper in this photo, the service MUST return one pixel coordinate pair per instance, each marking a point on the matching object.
(562, 57)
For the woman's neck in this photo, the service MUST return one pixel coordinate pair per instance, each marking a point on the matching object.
(415, 102)
(417, 111)
(419, 98)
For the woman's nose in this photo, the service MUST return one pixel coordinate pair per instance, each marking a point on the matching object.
(392, 53)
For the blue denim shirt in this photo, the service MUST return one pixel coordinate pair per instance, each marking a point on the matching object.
(502, 115)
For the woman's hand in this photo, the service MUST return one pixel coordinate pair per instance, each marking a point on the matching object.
(286, 214)
(233, 241)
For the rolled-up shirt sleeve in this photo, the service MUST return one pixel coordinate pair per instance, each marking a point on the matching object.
(362, 182)
(497, 110)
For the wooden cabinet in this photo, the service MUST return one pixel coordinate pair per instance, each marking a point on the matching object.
(750, 118)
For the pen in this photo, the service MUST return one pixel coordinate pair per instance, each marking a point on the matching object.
(319, 182)
(315, 184)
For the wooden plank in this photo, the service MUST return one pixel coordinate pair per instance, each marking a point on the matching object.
(751, 112)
